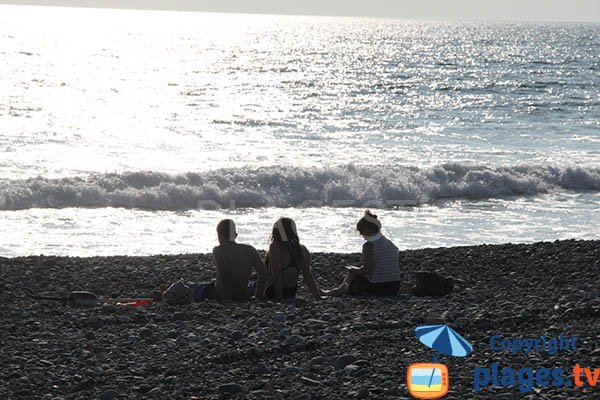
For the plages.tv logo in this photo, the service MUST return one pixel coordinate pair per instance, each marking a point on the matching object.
(431, 380)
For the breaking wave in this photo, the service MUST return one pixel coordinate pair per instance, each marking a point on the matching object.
(346, 185)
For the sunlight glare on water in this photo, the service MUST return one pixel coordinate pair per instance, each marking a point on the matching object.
(155, 111)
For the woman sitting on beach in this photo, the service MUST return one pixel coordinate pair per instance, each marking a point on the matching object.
(380, 271)
(286, 259)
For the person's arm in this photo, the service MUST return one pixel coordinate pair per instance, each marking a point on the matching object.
(262, 275)
(216, 259)
(218, 271)
(309, 278)
(368, 261)
(276, 261)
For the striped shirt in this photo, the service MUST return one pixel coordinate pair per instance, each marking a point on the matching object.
(386, 266)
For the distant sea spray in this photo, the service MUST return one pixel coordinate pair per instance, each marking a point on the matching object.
(338, 186)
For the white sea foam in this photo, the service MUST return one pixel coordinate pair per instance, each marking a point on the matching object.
(339, 186)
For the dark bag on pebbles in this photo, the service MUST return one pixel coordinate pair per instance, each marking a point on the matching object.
(178, 294)
(432, 284)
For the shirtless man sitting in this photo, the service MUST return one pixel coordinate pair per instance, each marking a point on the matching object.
(234, 263)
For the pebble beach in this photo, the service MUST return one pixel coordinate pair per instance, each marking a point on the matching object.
(337, 348)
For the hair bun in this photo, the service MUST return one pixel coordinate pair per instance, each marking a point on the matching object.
(369, 213)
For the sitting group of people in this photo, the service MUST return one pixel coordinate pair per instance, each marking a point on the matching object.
(287, 259)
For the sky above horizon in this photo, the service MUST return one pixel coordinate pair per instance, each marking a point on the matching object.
(546, 10)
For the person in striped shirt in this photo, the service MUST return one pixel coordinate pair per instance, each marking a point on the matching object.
(379, 273)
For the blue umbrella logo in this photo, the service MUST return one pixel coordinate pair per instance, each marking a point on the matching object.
(444, 340)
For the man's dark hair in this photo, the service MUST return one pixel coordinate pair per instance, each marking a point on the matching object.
(226, 229)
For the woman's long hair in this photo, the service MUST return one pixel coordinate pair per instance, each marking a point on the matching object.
(284, 231)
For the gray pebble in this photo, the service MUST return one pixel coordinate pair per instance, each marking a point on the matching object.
(14, 375)
(295, 340)
(342, 361)
(279, 317)
(231, 388)
(154, 392)
(352, 370)
(236, 335)
(109, 395)
(36, 376)
(261, 369)
(328, 317)
(290, 371)
(318, 361)
(285, 332)
(145, 333)
(310, 382)
(328, 337)
(259, 394)
(107, 309)
(301, 396)
(173, 334)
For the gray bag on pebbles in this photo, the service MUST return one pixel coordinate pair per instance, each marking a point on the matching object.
(178, 294)
(432, 284)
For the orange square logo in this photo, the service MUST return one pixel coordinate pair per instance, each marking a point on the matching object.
(427, 380)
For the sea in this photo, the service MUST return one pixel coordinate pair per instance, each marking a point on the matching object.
(129, 132)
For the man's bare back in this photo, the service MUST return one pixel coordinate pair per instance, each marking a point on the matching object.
(234, 263)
